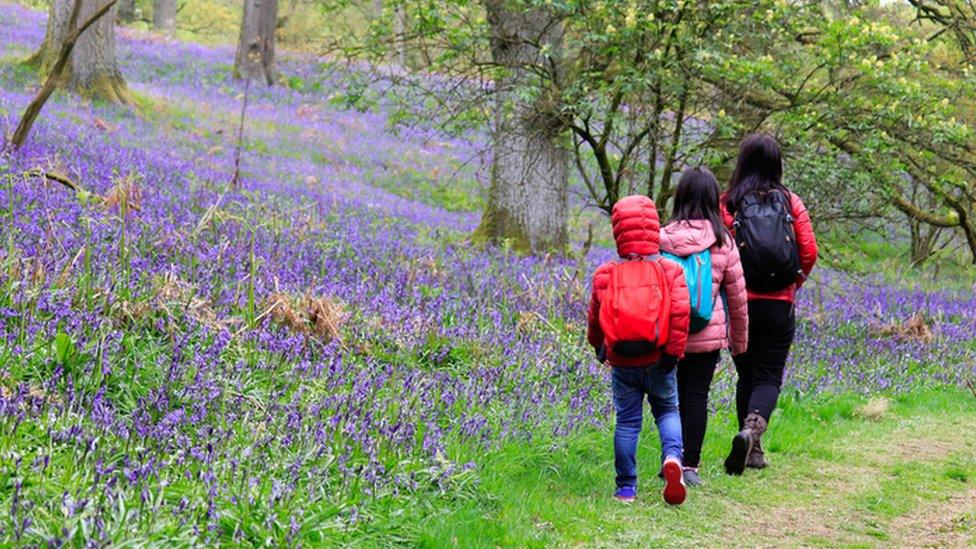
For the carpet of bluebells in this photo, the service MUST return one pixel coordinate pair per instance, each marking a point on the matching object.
(270, 363)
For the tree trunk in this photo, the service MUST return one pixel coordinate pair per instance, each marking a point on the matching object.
(528, 196)
(923, 239)
(923, 236)
(968, 226)
(57, 27)
(400, 28)
(666, 190)
(127, 11)
(95, 67)
(256, 47)
(93, 70)
(164, 16)
(70, 40)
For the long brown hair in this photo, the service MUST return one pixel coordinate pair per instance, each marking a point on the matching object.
(696, 197)
(758, 170)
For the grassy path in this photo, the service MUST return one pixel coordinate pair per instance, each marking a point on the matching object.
(845, 473)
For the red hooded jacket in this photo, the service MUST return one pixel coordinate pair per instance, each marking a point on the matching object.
(806, 242)
(636, 229)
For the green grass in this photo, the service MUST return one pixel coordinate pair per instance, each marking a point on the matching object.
(835, 479)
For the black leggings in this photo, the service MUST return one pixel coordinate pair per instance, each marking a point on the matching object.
(771, 328)
(695, 373)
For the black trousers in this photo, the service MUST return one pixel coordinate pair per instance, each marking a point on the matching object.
(695, 373)
(772, 325)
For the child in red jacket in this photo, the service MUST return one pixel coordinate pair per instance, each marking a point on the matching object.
(652, 372)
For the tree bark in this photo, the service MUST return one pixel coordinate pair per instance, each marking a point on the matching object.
(922, 241)
(528, 196)
(923, 236)
(127, 11)
(164, 16)
(256, 47)
(666, 190)
(51, 83)
(400, 28)
(93, 69)
(95, 66)
(57, 27)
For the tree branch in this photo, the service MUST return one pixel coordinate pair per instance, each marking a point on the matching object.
(51, 84)
(57, 178)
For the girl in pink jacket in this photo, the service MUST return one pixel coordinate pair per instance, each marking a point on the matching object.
(696, 225)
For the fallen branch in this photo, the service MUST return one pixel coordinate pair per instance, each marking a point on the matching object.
(972, 388)
(57, 178)
(51, 84)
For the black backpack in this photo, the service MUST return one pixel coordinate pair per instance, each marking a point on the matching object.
(767, 242)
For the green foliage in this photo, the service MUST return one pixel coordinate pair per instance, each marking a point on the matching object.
(868, 108)
(356, 96)
(886, 252)
(874, 111)
(65, 353)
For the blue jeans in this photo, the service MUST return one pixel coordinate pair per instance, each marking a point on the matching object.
(629, 387)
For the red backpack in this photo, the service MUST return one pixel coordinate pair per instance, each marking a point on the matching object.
(636, 309)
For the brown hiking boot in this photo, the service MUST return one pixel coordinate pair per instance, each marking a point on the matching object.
(735, 464)
(756, 424)
(743, 443)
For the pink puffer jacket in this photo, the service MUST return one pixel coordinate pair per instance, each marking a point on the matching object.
(684, 238)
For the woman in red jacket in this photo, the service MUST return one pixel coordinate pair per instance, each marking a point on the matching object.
(757, 181)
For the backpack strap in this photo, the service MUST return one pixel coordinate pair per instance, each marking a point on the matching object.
(723, 295)
(784, 200)
(747, 200)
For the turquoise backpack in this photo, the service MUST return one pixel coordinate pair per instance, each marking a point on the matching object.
(698, 276)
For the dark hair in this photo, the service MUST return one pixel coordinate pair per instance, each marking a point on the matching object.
(697, 198)
(758, 170)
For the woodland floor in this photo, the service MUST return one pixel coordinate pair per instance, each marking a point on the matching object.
(845, 472)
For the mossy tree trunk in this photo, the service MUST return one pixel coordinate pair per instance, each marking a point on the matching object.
(528, 197)
(164, 16)
(95, 67)
(127, 11)
(57, 27)
(93, 70)
(256, 48)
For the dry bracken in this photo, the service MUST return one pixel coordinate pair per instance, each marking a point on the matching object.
(915, 329)
(318, 317)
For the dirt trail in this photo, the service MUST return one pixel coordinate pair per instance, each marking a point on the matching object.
(949, 523)
(841, 501)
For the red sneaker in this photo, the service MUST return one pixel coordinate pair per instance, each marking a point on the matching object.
(674, 482)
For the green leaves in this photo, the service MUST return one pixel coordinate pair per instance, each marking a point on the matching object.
(647, 87)
(65, 352)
